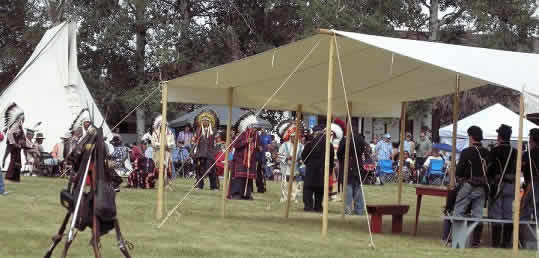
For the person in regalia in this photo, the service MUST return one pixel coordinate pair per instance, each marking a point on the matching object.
(288, 133)
(204, 148)
(16, 141)
(170, 143)
(244, 160)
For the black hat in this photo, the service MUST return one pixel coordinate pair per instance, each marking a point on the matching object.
(504, 132)
(475, 132)
(318, 128)
(534, 134)
(116, 140)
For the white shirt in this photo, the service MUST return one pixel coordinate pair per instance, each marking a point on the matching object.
(285, 151)
(427, 162)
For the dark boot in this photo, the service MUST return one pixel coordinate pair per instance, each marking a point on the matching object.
(507, 236)
(496, 235)
(476, 236)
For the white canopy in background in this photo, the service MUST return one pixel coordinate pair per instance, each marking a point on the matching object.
(379, 73)
(489, 119)
(50, 88)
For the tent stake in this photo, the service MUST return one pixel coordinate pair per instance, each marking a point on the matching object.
(162, 140)
(294, 158)
(516, 203)
(401, 149)
(228, 130)
(456, 109)
(331, 78)
(346, 159)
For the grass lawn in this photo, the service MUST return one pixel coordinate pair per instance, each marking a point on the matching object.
(31, 214)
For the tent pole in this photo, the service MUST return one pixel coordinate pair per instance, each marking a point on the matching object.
(294, 158)
(162, 140)
(401, 149)
(516, 203)
(346, 159)
(331, 78)
(456, 109)
(230, 97)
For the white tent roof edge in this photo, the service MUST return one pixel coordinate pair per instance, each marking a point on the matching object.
(421, 70)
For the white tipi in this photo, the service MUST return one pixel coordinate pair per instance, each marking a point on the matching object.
(49, 87)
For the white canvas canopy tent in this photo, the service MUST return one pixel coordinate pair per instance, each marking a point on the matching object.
(489, 119)
(49, 87)
(380, 75)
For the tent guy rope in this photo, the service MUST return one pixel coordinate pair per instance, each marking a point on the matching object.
(353, 141)
(237, 137)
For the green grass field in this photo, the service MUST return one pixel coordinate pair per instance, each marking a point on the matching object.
(31, 214)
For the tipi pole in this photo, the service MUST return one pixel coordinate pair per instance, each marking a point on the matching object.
(228, 140)
(331, 78)
(162, 141)
(516, 203)
(456, 108)
(294, 158)
(346, 158)
(401, 149)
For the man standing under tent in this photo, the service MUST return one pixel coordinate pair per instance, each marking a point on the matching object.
(471, 169)
(384, 150)
(288, 133)
(354, 195)
(530, 163)
(502, 162)
(423, 147)
(314, 156)
(16, 141)
(204, 148)
(244, 160)
(155, 139)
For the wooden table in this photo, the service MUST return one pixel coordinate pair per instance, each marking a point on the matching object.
(427, 190)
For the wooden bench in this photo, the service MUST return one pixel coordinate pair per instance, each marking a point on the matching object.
(396, 211)
(462, 227)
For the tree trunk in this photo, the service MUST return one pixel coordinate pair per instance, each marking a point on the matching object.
(139, 52)
(434, 23)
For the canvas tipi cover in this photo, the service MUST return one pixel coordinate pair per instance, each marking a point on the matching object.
(49, 87)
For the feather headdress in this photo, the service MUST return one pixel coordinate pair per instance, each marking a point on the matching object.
(33, 129)
(288, 127)
(12, 114)
(83, 116)
(337, 130)
(249, 120)
(207, 115)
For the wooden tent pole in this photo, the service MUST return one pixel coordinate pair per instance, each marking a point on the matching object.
(331, 78)
(294, 158)
(516, 203)
(401, 149)
(162, 141)
(227, 151)
(346, 166)
(456, 109)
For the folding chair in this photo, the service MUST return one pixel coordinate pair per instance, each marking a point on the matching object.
(385, 171)
(435, 170)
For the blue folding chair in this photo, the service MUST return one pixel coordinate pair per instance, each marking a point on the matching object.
(435, 170)
(385, 171)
